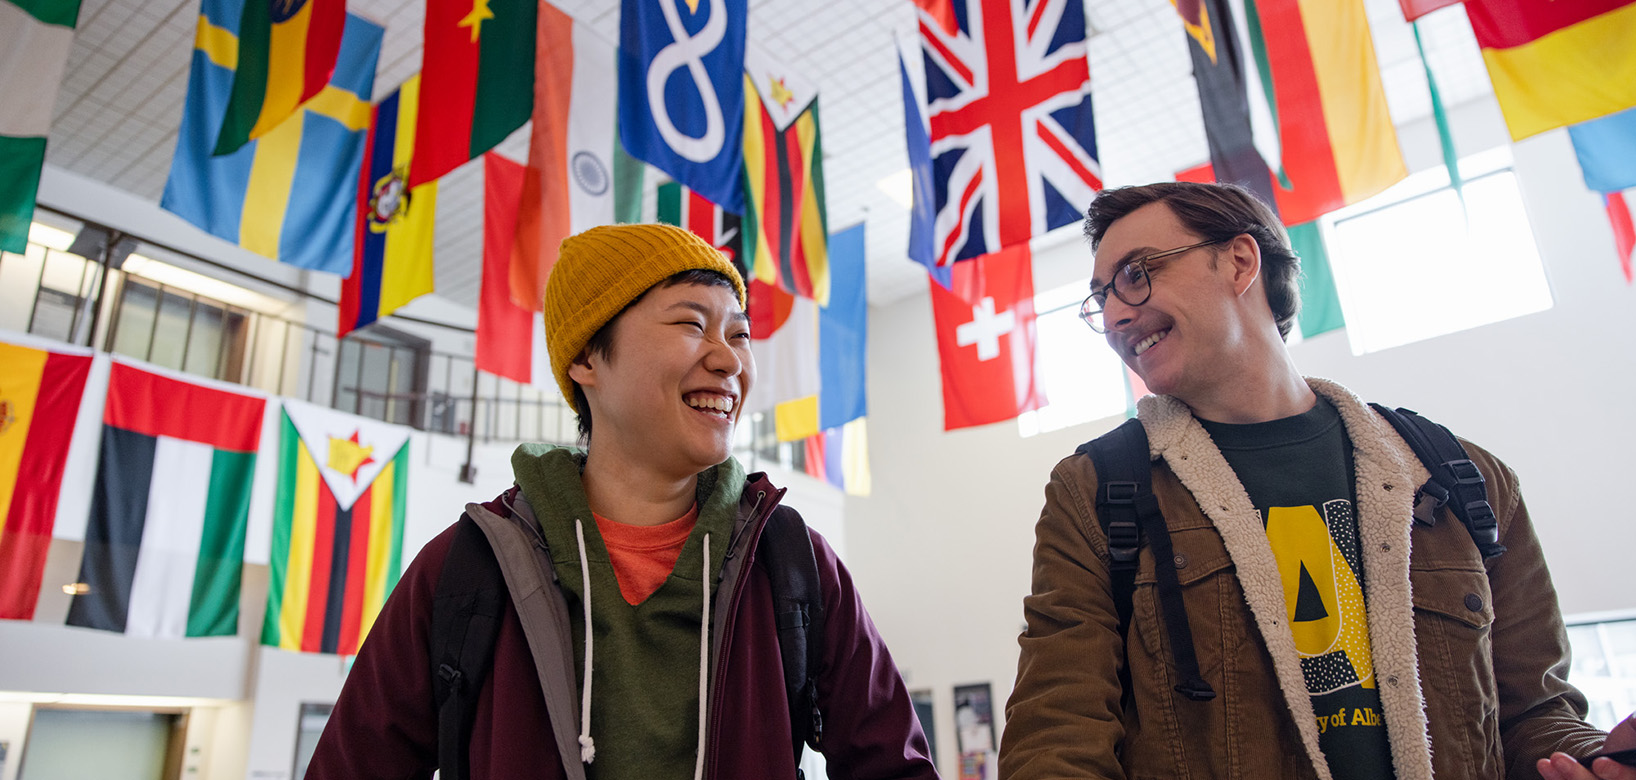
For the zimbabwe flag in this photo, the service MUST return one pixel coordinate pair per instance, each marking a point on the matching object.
(784, 216)
(337, 528)
(39, 399)
(477, 80)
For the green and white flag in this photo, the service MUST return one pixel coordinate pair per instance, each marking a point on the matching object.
(34, 40)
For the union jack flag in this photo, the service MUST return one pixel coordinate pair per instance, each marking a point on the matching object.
(1008, 99)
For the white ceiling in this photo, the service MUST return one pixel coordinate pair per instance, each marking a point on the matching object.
(122, 95)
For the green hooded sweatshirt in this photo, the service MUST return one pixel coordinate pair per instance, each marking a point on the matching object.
(645, 661)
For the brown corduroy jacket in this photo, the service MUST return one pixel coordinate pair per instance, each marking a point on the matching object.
(1470, 656)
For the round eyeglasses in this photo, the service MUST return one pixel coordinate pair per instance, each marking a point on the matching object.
(1131, 283)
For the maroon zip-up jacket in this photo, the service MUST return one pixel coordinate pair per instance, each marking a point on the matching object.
(527, 717)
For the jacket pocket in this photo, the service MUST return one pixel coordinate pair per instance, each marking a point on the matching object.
(1453, 621)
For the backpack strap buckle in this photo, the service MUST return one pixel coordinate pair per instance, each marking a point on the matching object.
(1464, 472)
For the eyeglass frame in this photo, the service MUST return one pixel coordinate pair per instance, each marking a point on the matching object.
(1086, 313)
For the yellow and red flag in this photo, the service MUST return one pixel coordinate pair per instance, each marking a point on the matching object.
(39, 400)
(1557, 63)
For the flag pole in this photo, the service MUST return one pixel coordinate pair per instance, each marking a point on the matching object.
(468, 471)
(107, 258)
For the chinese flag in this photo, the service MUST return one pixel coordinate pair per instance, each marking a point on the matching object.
(985, 339)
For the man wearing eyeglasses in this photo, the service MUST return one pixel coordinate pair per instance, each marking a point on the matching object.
(1331, 635)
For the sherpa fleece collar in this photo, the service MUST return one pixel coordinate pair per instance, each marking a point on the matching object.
(1387, 472)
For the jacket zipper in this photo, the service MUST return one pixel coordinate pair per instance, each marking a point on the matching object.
(717, 687)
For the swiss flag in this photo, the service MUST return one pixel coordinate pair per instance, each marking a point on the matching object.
(985, 339)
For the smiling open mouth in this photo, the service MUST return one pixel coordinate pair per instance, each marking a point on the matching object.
(710, 403)
(1147, 343)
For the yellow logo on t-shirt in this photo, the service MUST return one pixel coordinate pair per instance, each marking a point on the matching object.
(1323, 598)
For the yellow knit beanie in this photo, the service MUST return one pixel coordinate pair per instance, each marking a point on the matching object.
(602, 270)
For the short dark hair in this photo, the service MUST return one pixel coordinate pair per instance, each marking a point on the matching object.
(601, 342)
(1214, 211)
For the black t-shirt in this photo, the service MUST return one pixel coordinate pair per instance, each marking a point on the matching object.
(1298, 472)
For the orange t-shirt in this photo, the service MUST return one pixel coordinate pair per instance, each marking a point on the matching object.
(644, 555)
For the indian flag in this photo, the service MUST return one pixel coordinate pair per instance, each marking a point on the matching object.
(164, 545)
(337, 528)
(39, 399)
(34, 39)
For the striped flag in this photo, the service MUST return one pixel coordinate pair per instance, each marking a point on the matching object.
(477, 80)
(1556, 63)
(35, 36)
(510, 338)
(1334, 142)
(784, 210)
(39, 398)
(570, 186)
(291, 195)
(676, 204)
(392, 244)
(286, 52)
(337, 528)
(164, 544)
(840, 456)
(1606, 149)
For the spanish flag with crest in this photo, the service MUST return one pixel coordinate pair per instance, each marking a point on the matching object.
(337, 528)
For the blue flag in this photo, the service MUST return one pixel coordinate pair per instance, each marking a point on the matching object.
(1607, 151)
(681, 92)
(924, 211)
(843, 333)
(292, 194)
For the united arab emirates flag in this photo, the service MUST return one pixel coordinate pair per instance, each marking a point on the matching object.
(164, 545)
(337, 528)
(477, 80)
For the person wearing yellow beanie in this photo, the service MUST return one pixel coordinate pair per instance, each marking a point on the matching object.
(640, 633)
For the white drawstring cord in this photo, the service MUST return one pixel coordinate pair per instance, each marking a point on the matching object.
(587, 746)
(704, 661)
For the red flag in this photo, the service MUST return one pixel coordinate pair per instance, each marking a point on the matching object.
(1624, 230)
(510, 339)
(986, 344)
(1414, 9)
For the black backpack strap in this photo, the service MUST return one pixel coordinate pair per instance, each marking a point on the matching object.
(1128, 510)
(466, 613)
(785, 552)
(1455, 480)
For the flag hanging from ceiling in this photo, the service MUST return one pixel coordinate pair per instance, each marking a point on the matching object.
(337, 528)
(784, 341)
(1556, 63)
(1624, 232)
(1335, 141)
(39, 400)
(286, 52)
(164, 544)
(510, 338)
(677, 205)
(1013, 144)
(1238, 119)
(570, 185)
(922, 190)
(985, 340)
(392, 244)
(681, 92)
(476, 80)
(1606, 148)
(1414, 9)
(784, 212)
(292, 194)
(840, 456)
(35, 36)
(843, 331)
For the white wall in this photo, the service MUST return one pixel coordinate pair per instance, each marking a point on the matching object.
(943, 549)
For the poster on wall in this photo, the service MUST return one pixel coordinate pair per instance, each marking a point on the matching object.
(974, 731)
(922, 701)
